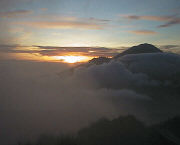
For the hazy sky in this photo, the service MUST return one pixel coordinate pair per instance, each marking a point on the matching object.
(31, 24)
(107, 23)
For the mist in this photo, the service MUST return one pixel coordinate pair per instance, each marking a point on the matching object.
(35, 99)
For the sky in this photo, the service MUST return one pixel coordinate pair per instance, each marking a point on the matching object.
(88, 23)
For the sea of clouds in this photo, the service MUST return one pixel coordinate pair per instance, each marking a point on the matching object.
(36, 98)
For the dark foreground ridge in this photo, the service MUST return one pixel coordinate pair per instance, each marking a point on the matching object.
(125, 130)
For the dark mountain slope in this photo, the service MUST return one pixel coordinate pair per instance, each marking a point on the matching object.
(142, 48)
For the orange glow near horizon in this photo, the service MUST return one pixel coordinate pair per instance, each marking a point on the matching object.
(72, 59)
(65, 58)
(36, 53)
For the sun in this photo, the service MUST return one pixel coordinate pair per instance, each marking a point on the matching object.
(72, 59)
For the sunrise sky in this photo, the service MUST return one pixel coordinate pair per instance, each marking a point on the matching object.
(30, 29)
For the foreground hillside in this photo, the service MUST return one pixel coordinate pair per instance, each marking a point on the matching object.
(126, 130)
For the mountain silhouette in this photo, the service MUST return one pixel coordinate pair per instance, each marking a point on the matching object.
(142, 48)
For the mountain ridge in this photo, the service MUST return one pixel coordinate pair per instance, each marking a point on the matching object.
(139, 49)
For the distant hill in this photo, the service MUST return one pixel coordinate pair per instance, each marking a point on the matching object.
(142, 48)
(100, 60)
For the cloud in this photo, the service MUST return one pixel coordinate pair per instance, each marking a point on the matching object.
(170, 23)
(87, 51)
(35, 100)
(14, 14)
(63, 25)
(67, 23)
(100, 20)
(143, 32)
(169, 20)
(154, 76)
(39, 101)
(43, 9)
(137, 72)
(149, 18)
(9, 4)
(115, 75)
(60, 51)
(158, 66)
(49, 21)
(169, 46)
(6, 4)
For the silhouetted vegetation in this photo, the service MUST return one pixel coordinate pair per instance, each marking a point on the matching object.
(100, 60)
(126, 130)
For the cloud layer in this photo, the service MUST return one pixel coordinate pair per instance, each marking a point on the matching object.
(64, 22)
(58, 51)
(169, 20)
(153, 75)
(14, 14)
(144, 32)
(35, 99)
(63, 25)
